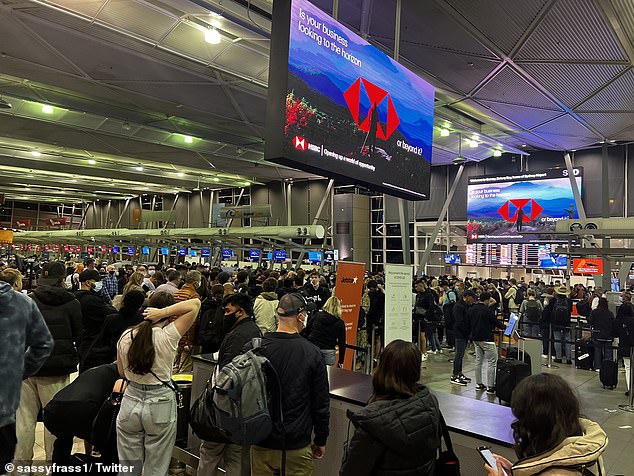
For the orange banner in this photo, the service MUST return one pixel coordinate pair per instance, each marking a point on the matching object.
(6, 236)
(587, 266)
(349, 290)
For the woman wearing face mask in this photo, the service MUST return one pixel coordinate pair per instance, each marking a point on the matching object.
(146, 424)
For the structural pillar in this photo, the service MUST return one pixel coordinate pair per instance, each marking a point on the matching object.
(605, 213)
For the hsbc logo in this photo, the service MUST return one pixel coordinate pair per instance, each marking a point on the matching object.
(300, 143)
(376, 96)
(529, 207)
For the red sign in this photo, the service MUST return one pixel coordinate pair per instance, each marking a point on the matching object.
(60, 221)
(365, 119)
(587, 266)
(22, 223)
(89, 249)
(300, 143)
(47, 247)
(349, 290)
(511, 209)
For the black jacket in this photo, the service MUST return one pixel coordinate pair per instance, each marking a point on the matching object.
(240, 334)
(602, 322)
(482, 321)
(623, 328)
(319, 296)
(461, 326)
(376, 312)
(62, 313)
(301, 369)
(94, 311)
(395, 437)
(327, 331)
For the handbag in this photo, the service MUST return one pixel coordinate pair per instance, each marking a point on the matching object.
(202, 417)
(104, 426)
(447, 463)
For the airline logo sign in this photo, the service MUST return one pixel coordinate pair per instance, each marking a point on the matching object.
(61, 221)
(587, 266)
(529, 207)
(22, 223)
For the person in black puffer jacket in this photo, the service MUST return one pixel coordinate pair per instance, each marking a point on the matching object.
(602, 321)
(326, 330)
(624, 330)
(62, 314)
(398, 433)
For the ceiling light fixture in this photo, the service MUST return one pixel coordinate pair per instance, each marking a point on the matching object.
(4, 104)
(92, 162)
(138, 168)
(523, 145)
(473, 143)
(36, 153)
(212, 36)
(216, 179)
(27, 189)
(497, 153)
(188, 139)
(246, 184)
(126, 126)
(180, 174)
(47, 109)
(444, 132)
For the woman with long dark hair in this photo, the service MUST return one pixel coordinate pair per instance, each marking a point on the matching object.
(398, 432)
(146, 424)
(551, 437)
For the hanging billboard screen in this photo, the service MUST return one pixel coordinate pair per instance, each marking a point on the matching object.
(520, 208)
(341, 108)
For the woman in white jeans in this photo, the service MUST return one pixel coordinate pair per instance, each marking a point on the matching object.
(624, 330)
(146, 424)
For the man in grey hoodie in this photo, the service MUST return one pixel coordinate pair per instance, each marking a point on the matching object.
(25, 344)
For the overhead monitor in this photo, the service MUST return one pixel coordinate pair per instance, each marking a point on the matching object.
(452, 258)
(115, 250)
(587, 266)
(254, 255)
(165, 251)
(227, 253)
(550, 260)
(130, 250)
(205, 252)
(314, 256)
(145, 250)
(329, 256)
(279, 255)
(182, 251)
(521, 207)
(269, 256)
(341, 108)
(193, 253)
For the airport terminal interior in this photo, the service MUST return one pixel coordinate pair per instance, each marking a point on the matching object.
(453, 174)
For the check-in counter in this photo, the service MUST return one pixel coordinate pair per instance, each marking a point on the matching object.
(471, 422)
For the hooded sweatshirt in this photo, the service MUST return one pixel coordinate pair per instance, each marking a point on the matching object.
(570, 456)
(264, 309)
(397, 437)
(25, 344)
(62, 313)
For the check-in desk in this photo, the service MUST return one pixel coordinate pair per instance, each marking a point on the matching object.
(471, 422)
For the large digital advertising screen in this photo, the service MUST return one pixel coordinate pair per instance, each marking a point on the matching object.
(341, 108)
(520, 208)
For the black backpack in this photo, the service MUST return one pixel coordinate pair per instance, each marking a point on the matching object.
(532, 311)
(519, 295)
(561, 312)
(211, 328)
(584, 308)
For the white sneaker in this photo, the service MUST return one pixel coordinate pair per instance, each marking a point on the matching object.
(439, 351)
(544, 356)
(425, 357)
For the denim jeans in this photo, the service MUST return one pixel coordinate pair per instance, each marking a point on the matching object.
(602, 351)
(530, 330)
(559, 334)
(330, 356)
(486, 363)
(433, 343)
(461, 345)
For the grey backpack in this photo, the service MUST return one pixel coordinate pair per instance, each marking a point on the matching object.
(242, 399)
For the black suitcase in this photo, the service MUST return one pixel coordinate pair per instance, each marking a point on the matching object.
(509, 373)
(516, 354)
(584, 354)
(609, 373)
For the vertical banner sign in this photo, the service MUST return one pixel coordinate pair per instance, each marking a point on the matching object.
(398, 299)
(349, 289)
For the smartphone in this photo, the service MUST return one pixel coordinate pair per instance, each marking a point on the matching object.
(488, 458)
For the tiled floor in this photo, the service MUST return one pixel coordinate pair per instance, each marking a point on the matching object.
(597, 404)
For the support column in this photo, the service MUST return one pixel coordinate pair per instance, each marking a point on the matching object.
(605, 213)
(443, 212)
(325, 198)
(575, 189)
(404, 221)
(289, 207)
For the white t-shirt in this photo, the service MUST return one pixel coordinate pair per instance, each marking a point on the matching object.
(165, 341)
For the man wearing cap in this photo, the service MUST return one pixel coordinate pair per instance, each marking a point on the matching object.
(94, 310)
(62, 314)
(241, 330)
(301, 369)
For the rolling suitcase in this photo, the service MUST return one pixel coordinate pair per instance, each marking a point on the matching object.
(584, 354)
(609, 373)
(509, 373)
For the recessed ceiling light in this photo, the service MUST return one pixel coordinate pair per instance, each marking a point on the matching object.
(47, 109)
(612, 141)
(36, 153)
(62, 191)
(92, 161)
(246, 184)
(473, 143)
(188, 139)
(497, 153)
(523, 145)
(212, 36)
(216, 179)
(180, 174)
(73, 180)
(30, 175)
(27, 189)
(215, 23)
(444, 132)
(138, 168)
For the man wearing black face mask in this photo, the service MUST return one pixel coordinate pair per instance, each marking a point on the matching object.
(241, 328)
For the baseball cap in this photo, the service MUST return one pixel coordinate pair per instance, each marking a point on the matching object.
(89, 274)
(291, 304)
(52, 271)
(468, 292)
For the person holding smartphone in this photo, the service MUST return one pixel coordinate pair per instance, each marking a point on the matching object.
(551, 437)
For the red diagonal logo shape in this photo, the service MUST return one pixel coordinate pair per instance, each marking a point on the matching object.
(376, 96)
(520, 204)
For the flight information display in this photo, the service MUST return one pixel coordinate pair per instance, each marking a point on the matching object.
(520, 208)
(342, 108)
(518, 255)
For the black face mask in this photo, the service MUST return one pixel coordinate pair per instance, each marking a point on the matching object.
(230, 320)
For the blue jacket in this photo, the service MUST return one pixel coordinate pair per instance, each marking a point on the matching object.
(25, 344)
